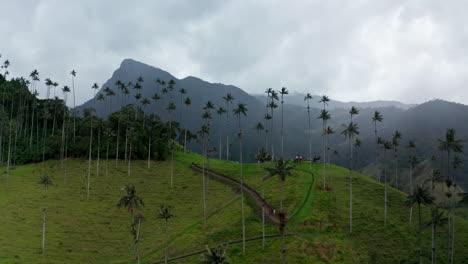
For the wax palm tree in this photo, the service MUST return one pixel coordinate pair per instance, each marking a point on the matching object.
(350, 131)
(328, 132)
(282, 169)
(131, 201)
(434, 178)
(259, 128)
(238, 112)
(165, 212)
(228, 100)
(65, 91)
(263, 157)
(73, 74)
(354, 111)
(55, 84)
(204, 131)
(324, 115)
(450, 145)
(182, 93)
(307, 98)
(156, 97)
(220, 113)
(273, 105)
(267, 118)
(45, 181)
(377, 118)
(438, 219)
(188, 103)
(171, 108)
(216, 255)
(396, 142)
(413, 161)
(386, 147)
(420, 196)
(284, 91)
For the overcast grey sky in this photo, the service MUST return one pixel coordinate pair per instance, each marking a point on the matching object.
(360, 50)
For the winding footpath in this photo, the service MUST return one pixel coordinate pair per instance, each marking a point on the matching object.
(269, 211)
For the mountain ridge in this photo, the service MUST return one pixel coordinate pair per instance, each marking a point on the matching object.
(424, 123)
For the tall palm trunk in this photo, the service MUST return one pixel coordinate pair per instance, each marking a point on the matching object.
(282, 126)
(419, 235)
(242, 187)
(433, 251)
(126, 144)
(310, 136)
(74, 109)
(396, 167)
(204, 180)
(411, 193)
(167, 243)
(149, 151)
(350, 185)
(9, 144)
(385, 186)
(129, 168)
(137, 240)
(98, 150)
(44, 221)
(118, 139)
(107, 157)
(324, 161)
(263, 209)
(227, 130)
(89, 157)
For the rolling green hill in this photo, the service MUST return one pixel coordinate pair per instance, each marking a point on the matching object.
(96, 231)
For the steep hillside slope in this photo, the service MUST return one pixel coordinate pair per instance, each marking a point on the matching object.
(95, 231)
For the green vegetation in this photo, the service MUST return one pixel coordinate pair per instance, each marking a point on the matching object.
(96, 231)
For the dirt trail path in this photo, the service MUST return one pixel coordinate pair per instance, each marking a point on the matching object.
(269, 211)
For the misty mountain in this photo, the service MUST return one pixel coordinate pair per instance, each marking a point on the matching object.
(424, 123)
(298, 99)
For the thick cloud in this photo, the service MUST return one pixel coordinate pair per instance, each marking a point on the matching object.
(410, 51)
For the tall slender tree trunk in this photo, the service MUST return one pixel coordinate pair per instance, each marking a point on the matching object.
(411, 193)
(220, 146)
(43, 230)
(149, 152)
(263, 210)
(350, 185)
(137, 240)
(129, 168)
(227, 130)
(242, 187)
(419, 236)
(204, 180)
(310, 137)
(433, 251)
(118, 139)
(98, 151)
(385, 186)
(89, 159)
(74, 109)
(282, 127)
(107, 157)
(324, 161)
(167, 243)
(453, 235)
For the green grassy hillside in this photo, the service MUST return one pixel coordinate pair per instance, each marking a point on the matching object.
(96, 231)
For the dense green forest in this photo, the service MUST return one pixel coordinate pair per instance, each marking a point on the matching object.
(33, 129)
